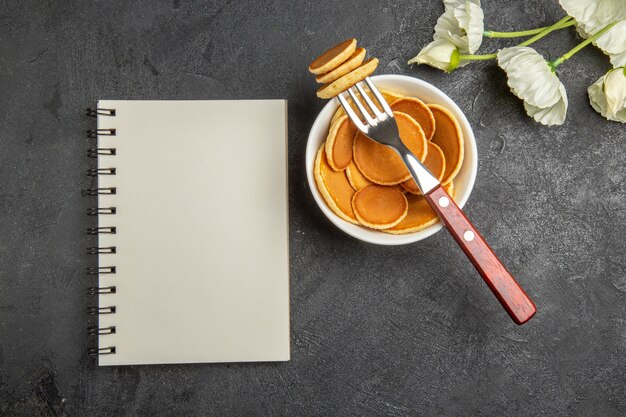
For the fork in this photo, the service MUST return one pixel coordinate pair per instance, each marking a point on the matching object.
(381, 127)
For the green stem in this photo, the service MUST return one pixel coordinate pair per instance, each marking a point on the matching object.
(565, 22)
(522, 33)
(580, 46)
(546, 31)
(518, 34)
(477, 57)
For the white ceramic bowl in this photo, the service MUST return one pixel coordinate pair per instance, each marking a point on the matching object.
(463, 182)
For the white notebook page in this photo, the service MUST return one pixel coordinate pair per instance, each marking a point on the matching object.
(202, 259)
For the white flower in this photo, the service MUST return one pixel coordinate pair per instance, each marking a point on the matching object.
(612, 43)
(608, 95)
(593, 15)
(461, 24)
(439, 54)
(531, 79)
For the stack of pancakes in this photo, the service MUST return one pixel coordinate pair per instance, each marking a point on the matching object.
(367, 183)
(341, 67)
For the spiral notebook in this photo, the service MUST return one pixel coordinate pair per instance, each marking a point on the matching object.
(193, 260)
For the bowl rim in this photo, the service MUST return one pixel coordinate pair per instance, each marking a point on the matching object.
(385, 238)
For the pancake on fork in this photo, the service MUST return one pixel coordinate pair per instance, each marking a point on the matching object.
(341, 84)
(351, 63)
(333, 57)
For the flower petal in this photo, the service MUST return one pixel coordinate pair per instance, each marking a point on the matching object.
(597, 98)
(613, 43)
(593, 15)
(470, 17)
(461, 24)
(452, 4)
(437, 54)
(615, 90)
(614, 84)
(529, 76)
(618, 60)
(448, 29)
(551, 115)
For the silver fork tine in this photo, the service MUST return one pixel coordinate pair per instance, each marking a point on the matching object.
(379, 97)
(351, 114)
(370, 103)
(370, 120)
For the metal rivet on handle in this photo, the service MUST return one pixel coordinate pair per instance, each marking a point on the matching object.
(444, 201)
(468, 235)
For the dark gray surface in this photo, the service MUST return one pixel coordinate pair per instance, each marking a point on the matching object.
(375, 330)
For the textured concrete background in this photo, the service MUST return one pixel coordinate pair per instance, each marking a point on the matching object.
(375, 330)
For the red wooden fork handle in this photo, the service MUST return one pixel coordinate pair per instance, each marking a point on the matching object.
(512, 297)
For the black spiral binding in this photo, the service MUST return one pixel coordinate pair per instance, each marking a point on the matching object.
(101, 351)
(100, 112)
(96, 250)
(99, 270)
(94, 231)
(92, 311)
(101, 290)
(101, 230)
(94, 172)
(96, 331)
(99, 191)
(94, 133)
(94, 152)
(96, 211)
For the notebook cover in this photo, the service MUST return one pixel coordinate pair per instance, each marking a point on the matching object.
(202, 259)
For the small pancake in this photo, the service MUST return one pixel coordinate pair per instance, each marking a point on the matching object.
(333, 57)
(341, 84)
(419, 111)
(358, 181)
(339, 144)
(389, 97)
(435, 162)
(419, 215)
(379, 207)
(356, 178)
(450, 190)
(379, 163)
(353, 62)
(449, 137)
(334, 187)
